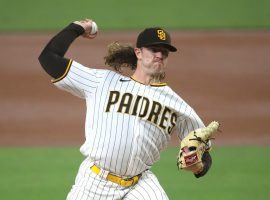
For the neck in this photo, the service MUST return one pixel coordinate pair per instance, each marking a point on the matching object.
(146, 79)
(142, 77)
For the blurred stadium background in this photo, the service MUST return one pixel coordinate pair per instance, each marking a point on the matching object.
(39, 160)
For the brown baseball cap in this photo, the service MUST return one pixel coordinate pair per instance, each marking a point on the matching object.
(155, 36)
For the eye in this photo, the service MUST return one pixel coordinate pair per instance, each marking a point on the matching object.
(164, 52)
(153, 49)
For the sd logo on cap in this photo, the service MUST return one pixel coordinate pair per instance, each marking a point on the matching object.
(155, 36)
(161, 34)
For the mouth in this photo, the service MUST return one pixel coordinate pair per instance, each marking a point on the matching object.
(158, 61)
(158, 66)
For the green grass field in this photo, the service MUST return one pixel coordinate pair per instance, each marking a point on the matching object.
(238, 173)
(126, 14)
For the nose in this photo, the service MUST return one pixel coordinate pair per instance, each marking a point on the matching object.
(159, 55)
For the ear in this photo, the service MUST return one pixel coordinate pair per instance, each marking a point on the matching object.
(138, 53)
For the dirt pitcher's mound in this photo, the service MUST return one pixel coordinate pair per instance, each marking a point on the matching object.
(223, 75)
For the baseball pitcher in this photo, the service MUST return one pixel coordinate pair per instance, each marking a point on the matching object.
(130, 119)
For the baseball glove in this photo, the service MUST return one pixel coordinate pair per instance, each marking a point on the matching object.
(193, 155)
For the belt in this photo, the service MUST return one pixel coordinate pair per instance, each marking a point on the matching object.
(125, 182)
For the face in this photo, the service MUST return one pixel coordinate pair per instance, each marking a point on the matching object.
(152, 59)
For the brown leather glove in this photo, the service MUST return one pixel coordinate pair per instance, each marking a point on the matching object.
(193, 155)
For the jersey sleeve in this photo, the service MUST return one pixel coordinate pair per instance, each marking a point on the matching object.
(188, 121)
(79, 80)
(52, 57)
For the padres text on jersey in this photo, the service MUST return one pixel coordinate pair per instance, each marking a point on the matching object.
(146, 109)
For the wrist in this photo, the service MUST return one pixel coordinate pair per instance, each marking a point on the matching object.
(77, 28)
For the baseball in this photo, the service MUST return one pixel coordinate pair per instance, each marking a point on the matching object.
(94, 28)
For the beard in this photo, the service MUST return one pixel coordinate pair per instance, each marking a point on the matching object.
(156, 71)
(159, 74)
(157, 77)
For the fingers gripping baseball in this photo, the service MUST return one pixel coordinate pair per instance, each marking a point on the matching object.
(90, 28)
(193, 146)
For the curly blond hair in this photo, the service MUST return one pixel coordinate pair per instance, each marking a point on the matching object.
(121, 55)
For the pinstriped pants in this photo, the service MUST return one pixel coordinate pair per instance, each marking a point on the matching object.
(89, 185)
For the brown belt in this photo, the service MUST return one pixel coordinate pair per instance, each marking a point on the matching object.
(125, 182)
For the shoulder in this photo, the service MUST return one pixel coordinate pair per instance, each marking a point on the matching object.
(181, 104)
(78, 71)
(172, 92)
(91, 71)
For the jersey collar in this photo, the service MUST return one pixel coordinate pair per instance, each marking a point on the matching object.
(160, 84)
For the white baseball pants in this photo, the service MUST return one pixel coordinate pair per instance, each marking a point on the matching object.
(90, 186)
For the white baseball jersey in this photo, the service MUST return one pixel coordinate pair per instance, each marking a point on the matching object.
(127, 123)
